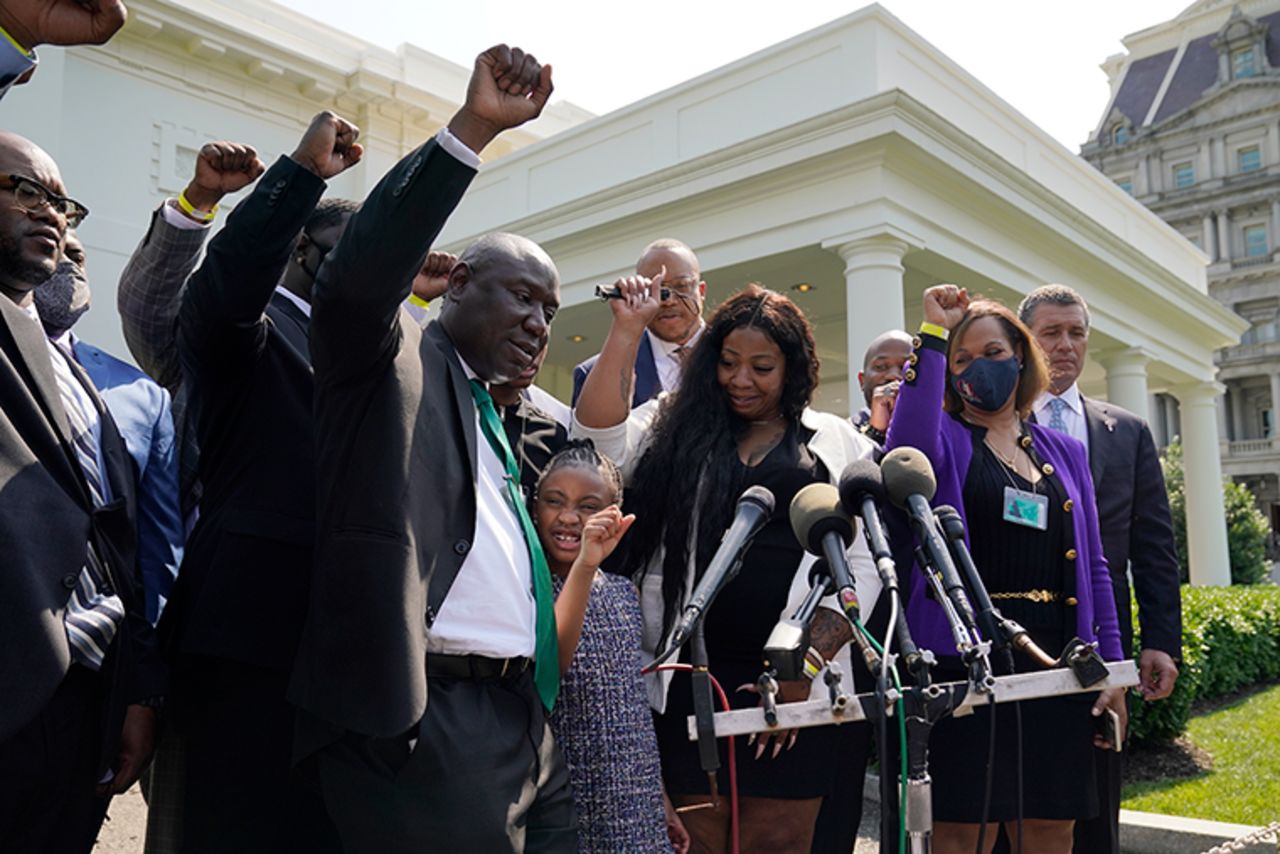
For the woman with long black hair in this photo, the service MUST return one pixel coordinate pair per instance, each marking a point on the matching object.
(739, 418)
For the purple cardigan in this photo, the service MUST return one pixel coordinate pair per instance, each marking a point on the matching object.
(920, 422)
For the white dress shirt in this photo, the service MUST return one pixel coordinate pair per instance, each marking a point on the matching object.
(1072, 413)
(666, 360)
(489, 609)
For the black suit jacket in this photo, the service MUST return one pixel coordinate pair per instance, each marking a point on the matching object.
(242, 591)
(46, 521)
(396, 462)
(1137, 530)
(648, 384)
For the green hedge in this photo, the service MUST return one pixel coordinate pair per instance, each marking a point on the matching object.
(1230, 639)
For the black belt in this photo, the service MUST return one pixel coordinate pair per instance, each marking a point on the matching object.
(475, 668)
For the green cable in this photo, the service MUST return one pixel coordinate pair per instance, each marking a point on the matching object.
(902, 742)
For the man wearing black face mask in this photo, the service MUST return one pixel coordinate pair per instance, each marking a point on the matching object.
(140, 408)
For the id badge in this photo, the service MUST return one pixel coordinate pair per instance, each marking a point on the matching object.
(1026, 508)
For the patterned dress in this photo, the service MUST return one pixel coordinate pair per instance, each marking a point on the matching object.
(603, 726)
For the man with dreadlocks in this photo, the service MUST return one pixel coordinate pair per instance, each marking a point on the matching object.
(739, 418)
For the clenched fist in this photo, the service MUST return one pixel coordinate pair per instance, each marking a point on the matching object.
(508, 87)
(64, 22)
(329, 146)
(433, 279)
(222, 168)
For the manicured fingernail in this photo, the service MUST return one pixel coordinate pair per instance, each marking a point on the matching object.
(760, 749)
(751, 739)
(792, 742)
(777, 748)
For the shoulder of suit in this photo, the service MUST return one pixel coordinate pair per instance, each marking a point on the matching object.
(1120, 416)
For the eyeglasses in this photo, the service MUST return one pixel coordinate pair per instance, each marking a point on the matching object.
(682, 287)
(31, 195)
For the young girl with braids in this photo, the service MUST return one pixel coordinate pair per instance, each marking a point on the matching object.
(601, 719)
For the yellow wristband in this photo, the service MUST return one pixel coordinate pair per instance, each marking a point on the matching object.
(29, 54)
(935, 330)
(190, 209)
(418, 301)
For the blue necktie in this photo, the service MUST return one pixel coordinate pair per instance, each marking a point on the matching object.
(1056, 422)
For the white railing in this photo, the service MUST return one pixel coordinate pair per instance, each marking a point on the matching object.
(1251, 447)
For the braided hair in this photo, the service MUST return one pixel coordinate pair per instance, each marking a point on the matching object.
(582, 453)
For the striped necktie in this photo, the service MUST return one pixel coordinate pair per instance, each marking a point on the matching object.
(1056, 421)
(94, 611)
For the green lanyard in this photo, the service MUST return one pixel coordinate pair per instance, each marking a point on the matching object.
(546, 660)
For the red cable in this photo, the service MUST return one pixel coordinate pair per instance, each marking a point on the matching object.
(733, 760)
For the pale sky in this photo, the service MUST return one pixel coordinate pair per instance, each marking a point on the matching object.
(1041, 57)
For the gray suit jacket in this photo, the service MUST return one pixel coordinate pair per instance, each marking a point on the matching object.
(395, 463)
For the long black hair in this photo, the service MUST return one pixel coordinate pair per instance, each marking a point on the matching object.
(695, 441)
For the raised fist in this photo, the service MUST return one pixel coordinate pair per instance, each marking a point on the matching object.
(945, 305)
(508, 87)
(222, 168)
(64, 22)
(329, 146)
(433, 279)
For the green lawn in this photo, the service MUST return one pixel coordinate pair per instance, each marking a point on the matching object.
(1244, 784)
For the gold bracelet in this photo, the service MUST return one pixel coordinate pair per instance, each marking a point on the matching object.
(191, 211)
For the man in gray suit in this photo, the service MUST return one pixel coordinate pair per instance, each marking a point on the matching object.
(1133, 515)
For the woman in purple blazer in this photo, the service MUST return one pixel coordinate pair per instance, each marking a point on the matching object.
(1031, 522)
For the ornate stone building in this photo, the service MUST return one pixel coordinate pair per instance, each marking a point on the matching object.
(1193, 132)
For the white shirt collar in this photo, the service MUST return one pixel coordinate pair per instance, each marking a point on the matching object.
(1071, 397)
(303, 305)
(669, 348)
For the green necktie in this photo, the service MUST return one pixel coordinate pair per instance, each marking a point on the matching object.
(546, 661)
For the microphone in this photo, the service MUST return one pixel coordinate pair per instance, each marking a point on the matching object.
(608, 292)
(861, 490)
(993, 623)
(823, 528)
(754, 509)
(784, 651)
(910, 484)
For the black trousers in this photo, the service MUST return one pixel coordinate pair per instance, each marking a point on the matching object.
(480, 773)
(240, 790)
(47, 800)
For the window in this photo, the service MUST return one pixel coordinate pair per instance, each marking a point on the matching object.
(1120, 134)
(1126, 185)
(1249, 159)
(1242, 64)
(1255, 241)
(1184, 175)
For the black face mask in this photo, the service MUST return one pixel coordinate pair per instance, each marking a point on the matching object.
(987, 383)
(62, 299)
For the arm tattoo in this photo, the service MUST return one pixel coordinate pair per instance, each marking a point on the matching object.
(828, 632)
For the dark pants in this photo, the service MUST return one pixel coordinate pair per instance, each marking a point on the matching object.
(240, 790)
(836, 830)
(480, 773)
(1101, 835)
(47, 800)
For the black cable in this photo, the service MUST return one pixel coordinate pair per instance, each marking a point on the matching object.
(991, 766)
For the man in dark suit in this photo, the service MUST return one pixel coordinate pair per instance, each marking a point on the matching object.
(140, 409)
(233, 622)
(79, 674)
(426, 668)
(671, 335)
(1133, 514)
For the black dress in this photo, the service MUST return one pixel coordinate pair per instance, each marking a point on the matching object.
(1057, 733)
(737, 626)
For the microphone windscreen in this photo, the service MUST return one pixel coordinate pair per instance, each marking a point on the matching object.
(949, 518)
(759, 496)
(861, 478)
(815, 511)
(906, 471)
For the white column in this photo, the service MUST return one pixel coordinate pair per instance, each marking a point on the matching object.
(1238, 431)
(1275, 405)
(1275, 225)
(1127, 379)
(873, 296)
(1141, 184)
(1210, 237)
(1202, 470)
(1224, 236)
(1224, 435)
(1218, 155)
(1272, 146)
(1204, 162)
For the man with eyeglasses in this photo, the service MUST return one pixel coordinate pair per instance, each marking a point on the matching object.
(80, 677)
(235, 614)
(671, 335)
